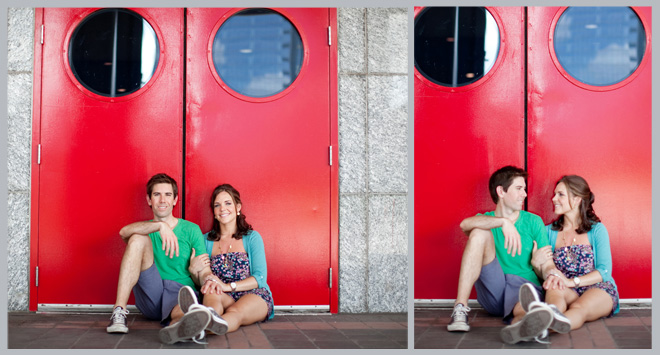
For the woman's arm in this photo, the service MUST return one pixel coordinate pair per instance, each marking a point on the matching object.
(257, 256)
(602, 252)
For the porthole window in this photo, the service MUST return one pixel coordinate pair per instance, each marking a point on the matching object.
(257, 52)
(455, 46)
(599, 46)
(113, 52)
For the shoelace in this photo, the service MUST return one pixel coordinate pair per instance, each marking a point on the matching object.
(543, 338)
(461, 311)
(119, 315)
(200, 339)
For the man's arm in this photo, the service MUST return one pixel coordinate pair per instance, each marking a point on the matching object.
(170, 241)
(511, 236)
(554, 279)
(481, 222)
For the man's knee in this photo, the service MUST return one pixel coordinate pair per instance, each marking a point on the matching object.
(480, 235)
(137, 241)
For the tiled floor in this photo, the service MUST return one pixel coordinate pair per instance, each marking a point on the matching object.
(630, 329)
(323, 331)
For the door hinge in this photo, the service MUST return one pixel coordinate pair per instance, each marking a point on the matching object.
(330, 155)
(36, 276)
(39, 154)
(330, 278)
(329, 35)
(42, 34)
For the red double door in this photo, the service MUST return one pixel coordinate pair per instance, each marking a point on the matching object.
(528, 112)
(93, 155)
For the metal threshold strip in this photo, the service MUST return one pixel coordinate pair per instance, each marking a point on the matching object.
(107, 308)
(626, 303)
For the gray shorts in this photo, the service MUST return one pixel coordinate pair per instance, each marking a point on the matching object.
(498, 292)
(155, 297)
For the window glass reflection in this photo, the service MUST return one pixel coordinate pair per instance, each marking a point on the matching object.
(257, 52)
(599, 46)
(455, 46)
(113, 52)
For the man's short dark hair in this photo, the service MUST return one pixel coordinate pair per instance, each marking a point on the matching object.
(504, 177)
(162, 179)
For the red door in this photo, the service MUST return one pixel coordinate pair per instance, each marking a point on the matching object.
(463, 134)
(602, 133)
(554, 125)
(97, 152)
(274, 149)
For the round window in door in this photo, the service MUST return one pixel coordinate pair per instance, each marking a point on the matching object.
(599, 46)
(455, 46)
(257, 53)
(113, 52)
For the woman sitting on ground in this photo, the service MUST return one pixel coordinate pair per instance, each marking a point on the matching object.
(580, 248)
(236, 292)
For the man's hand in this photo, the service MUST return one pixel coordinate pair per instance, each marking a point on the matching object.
(541, 256)
(169, 239)
(198, 263)
(511, 238)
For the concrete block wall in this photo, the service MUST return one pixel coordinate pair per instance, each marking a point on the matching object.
(20, 33)
(373, 187)
(373, 111)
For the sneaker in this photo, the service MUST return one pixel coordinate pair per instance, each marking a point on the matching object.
(459, 319)
(532, 325)
(527, 294)
(217, 325)
(191, 326)
(187, 298)
(544, 338)
(560, 323)
(118, 321)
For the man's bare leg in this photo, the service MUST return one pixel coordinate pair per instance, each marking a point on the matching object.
(479, 251)
(138, 256)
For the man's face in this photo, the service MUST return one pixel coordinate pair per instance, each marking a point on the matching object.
(162, 200)
(514, 197)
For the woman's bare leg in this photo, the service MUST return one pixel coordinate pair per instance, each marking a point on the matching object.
(219, 302)
(593, 304)
(247, 310)
(561, 298)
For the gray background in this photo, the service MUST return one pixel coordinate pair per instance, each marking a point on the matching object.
(373, 157)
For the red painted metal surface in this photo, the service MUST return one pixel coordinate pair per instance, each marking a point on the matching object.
(602, 135)
(97, 155)
(274, 151)
(462, 135)
(34, 167)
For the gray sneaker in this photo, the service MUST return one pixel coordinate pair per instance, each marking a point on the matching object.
(217, 325)
(191, 326)
(526, 295)
(531, 327)
(459, 319)
(118, 321)
(187, 298)
(560, 323)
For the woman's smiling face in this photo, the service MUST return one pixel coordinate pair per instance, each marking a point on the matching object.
(224, 208)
